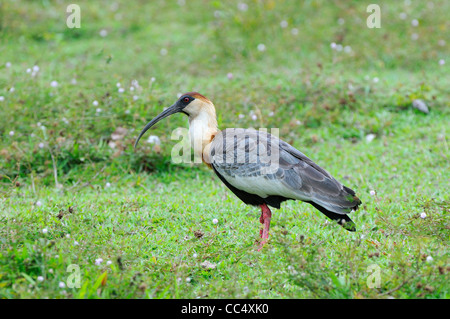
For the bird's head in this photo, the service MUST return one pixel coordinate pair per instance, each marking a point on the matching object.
(191, 104)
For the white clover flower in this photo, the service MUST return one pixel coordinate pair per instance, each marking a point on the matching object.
(67, 235)
(333, 45)
(98, 261)
(215, 221)
(347, 49)
(95, 103)
(12, 89)
(376, 80)
(35, 68)
(403, 15)
(441, 42)
(339, 47)
(40, 278)
(8, 64)
(241, 116)
(188, 279)
(271, 113)
(107, 185)
(229, 75)
(118, 84)
(121, 90)
(423, 215)
(28, 70)
(38, 203)
(283, 24)
(2, 98)
(61, 285)
(98, 110)
(41, 145)
(294, 31)
(45, 231)
(109, 262)
(103, 33)
(254, 117)
(441, 62)
(76, 243)
(53, 84)
(153, 139)
(135, 98)
(11, 133)
(131, 88)
(242, 6)
(163, 51)
(341, 21)
(415, 22)
(429, 259)
(73, 81)
(194, 255)
(261, 47)
(372, 192)
(414, 36)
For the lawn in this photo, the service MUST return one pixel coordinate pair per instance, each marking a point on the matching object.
(85, 215)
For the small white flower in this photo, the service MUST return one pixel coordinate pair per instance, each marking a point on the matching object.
(376, 80)
(339, 47)
(294, 31)
(76, 243)
(109, 262)
(181, 2)
(441, 62)
(261, 47)
(35, 68)
(121, 90)
(229, 75)
(415, 22)
(67, 235)
(441, 42)
(215, 221)
(271, 113)
(372, 192)
(98, 261)
(135, 98)
(50, 270)
(53, 84)
(107, 185)
(283, 24)
(341, 21)
(28, 70)
(403, 15)
(132, 88)
(333, 45)
(40, 278)
(347, 49)
(41, 145)
(194, 255)
(2, 98)
(8, 64)
(62, 284)
(254, 117)
(12, 89)
(45, 231)
(163, 51)
(414, 36)
(103, 33)
(370, 137)
(242, 6)
(153, 79)
(95, 103)
(73, 81)
(118, 84)
(188, 279)
(241, 116)
(11, 133)
(153, 139)
(423, 215)
(429, 259)
(98, 110)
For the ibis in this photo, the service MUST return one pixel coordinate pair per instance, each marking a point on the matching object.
(258, 167)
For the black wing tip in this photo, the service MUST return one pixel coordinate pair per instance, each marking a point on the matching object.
(341, 219)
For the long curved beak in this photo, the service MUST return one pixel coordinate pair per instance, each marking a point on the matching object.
(167, 112)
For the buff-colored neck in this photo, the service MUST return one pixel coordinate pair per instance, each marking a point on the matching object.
(202, 129)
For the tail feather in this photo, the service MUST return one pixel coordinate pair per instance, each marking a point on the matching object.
(341, 219)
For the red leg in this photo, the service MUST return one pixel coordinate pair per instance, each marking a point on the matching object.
(266, 215)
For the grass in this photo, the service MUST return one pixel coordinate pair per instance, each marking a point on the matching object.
(151, 218)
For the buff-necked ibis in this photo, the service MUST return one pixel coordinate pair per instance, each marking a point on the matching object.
(259, 168)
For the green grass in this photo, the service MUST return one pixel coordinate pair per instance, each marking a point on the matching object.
(155, 216)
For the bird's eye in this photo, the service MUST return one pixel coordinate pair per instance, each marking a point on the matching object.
(186, 100)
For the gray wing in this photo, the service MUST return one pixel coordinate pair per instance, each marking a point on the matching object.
(259, 163)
